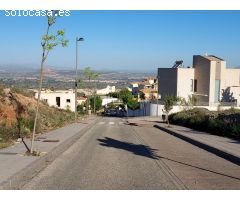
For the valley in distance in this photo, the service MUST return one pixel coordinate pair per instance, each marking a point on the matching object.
(65, 78)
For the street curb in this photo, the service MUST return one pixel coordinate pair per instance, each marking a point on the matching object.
(223, 154)
(19, 179)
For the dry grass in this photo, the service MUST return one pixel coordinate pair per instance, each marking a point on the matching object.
(5, 144)
(49, 117)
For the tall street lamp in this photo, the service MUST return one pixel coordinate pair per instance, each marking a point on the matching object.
(76, 78)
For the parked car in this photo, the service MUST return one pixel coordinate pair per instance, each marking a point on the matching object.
(111, 112)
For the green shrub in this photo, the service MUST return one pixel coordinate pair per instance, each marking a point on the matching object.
(215, 126)
(80, 109)
(133, 104)
(98, 102)
(235, 130)
(8, 133)
(224, 123)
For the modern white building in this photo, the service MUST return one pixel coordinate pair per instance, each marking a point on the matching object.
(64, 99)
(107, 100)
(106, 90)
(208, 79)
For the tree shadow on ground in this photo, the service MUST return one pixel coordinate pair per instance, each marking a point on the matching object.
(137, 149)
(201, 168)
(131, 124)
(138, 124)
(8, 153)
(146, 151)
(235, 142)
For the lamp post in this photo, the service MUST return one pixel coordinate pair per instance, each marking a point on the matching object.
(76, 78)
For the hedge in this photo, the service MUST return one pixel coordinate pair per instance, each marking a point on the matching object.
(223, 123)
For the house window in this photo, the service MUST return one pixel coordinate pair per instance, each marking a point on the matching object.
(68, 100)
(45, 100)
(195, 85)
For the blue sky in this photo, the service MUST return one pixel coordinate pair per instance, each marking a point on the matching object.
(125, 40)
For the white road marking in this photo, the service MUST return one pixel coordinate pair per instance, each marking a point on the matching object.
(110, 123)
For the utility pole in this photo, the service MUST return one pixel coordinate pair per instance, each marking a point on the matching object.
(76, 78)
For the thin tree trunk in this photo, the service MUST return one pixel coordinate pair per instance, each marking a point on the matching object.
(39, 92)
(38, 101)
(89, 105)
(94, 109)
(167, 120)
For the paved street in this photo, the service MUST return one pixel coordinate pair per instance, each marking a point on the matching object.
(114, 154)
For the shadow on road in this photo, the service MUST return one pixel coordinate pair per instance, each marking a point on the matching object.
(196, 167)
(138, 124)
(146, 151)
(137, 149)
(132, 124)
(7, 153)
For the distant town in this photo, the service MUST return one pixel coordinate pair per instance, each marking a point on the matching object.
(64, 79)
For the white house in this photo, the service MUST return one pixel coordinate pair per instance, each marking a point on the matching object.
(106, 90)
(107, 100)
(64, 99)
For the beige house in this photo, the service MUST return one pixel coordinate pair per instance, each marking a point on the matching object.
(81, 100)
(148, 86)
(149, 93)
(64, 99)
(209, 79)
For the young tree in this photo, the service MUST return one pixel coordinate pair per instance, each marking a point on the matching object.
(192, 100)
(91, 75)
(96, 102)
(125, 95)
(142, 95)
(48, 43)
(133, 104)
(81, 83)
(114, 94)
(169, 101)
(95, 77)
(88, 74)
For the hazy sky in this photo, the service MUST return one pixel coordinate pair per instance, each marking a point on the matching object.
(125, 40)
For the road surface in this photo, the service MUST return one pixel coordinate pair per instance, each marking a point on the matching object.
(114, 154)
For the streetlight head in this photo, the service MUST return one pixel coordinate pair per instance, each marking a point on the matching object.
(80, 39)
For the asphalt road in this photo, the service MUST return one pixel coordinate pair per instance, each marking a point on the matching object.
(114, 154)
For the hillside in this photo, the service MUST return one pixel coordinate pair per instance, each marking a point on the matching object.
(17, 112)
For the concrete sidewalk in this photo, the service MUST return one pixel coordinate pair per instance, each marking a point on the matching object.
(144, 120)
(16, 168)
(226, 148)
